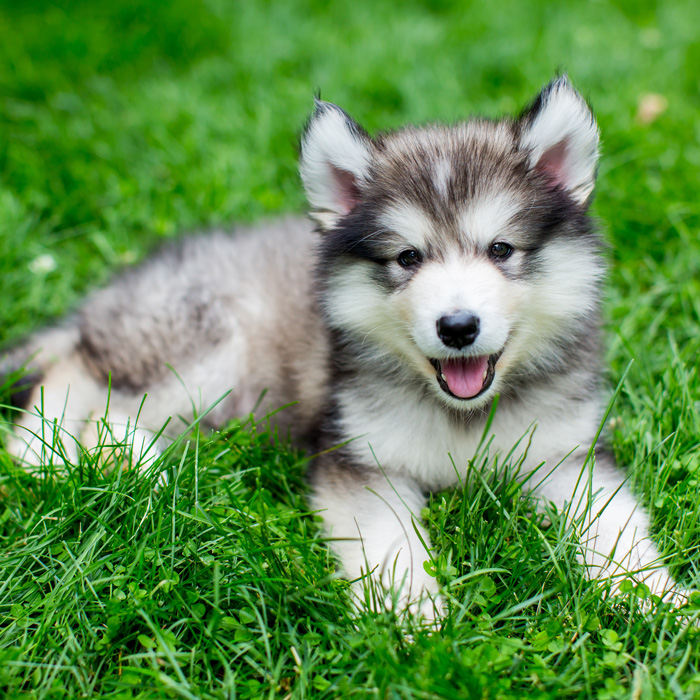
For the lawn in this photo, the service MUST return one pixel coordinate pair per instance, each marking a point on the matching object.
(128, 123)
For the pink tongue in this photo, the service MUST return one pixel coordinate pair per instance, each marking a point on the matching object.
(465, 376)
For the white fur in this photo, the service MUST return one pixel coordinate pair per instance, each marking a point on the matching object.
(459, 284)
(47, 433)
(614, 528)
(436, 441)
(354, 303)
(562, 294)
(73, 410)
(486, 219)
(410, 222)
(377, 534)
(564, 118)
(441, 177)
(331, 142)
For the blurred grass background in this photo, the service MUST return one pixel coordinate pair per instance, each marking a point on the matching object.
(125, 123)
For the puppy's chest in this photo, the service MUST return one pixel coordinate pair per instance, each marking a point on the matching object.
(403, 435)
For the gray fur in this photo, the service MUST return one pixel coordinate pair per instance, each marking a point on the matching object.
(163, 325)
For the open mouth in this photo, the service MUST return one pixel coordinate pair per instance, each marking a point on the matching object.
(466, 377)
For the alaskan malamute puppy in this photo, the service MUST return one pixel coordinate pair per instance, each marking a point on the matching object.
(449, 265)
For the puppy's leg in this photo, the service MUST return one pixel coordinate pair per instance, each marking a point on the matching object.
(373, 524)
(614, 526)
(69, 408)
(120, 428)
(49, 430)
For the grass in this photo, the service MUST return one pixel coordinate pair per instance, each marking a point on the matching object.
(125, 124)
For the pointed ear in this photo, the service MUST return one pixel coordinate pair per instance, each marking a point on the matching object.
(562, 137)
(335, 158)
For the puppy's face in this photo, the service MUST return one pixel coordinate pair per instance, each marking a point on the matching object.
(453, 250)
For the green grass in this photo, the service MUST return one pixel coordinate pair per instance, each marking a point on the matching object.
(122, 126)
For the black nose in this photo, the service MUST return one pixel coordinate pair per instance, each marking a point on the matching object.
(458, 330)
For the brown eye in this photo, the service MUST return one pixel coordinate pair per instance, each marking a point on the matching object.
(409, 257)
(501, 250)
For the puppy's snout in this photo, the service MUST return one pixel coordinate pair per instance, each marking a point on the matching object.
(459, 329)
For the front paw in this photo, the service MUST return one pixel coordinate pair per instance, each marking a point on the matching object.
(654, 585)
(420, 597)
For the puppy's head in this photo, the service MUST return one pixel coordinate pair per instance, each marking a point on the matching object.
(463, 251)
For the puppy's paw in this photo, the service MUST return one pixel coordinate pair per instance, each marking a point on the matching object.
(429, 610)
(422, 600)
(42, 448)
(650, 587)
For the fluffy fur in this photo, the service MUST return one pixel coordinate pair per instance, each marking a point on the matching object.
(450, 264)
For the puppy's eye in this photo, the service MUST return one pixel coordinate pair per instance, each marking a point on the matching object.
(501, 250)
(409, 257)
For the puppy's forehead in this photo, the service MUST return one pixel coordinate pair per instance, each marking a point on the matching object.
(462, 183)
(475, 225)
(453, 161)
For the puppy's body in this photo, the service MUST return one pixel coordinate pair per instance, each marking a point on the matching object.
(449, 265)
(210, 315)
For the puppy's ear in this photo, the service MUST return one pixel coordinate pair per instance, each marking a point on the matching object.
(562, 138)
(335, 160)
